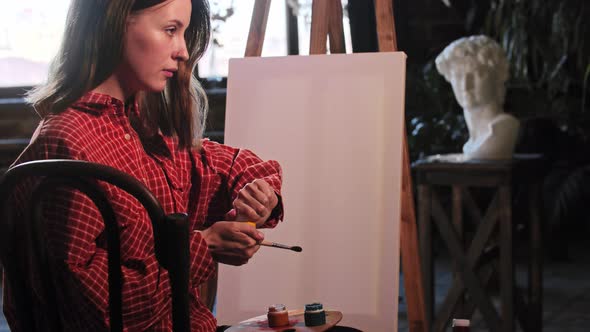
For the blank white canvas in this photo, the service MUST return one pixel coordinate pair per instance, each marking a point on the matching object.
(334, 122)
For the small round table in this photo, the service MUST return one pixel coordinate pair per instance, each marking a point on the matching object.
(296, 323)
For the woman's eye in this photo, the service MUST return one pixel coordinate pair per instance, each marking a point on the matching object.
(171, 30)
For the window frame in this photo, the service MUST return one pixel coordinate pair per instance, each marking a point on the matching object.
(8, 94)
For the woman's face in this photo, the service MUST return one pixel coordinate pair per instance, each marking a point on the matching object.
(154, 45)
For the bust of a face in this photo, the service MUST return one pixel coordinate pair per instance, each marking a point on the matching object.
(477, 68)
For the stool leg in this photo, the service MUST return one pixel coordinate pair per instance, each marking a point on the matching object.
(506, 261)
(535, 288)
(425, 233)
(457, 215)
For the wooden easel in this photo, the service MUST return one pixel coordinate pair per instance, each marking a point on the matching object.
(331, 27)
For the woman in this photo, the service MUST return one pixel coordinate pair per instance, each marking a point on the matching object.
(121, 93)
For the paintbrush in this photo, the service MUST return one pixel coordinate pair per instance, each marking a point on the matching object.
(282, 246)
(276, 245)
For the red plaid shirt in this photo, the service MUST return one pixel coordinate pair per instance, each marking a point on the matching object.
(201, 183)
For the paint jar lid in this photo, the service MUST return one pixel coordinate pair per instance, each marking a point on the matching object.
(276, 307)
(314, 306)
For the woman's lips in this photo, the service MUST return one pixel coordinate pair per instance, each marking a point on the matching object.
(168, 73)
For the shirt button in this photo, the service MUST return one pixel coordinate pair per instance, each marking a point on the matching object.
(127, 137)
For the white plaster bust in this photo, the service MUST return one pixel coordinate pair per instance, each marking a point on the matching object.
(477, 69)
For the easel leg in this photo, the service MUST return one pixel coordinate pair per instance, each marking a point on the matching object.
(411, 265)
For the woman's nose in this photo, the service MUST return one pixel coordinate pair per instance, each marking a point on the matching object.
(182, 53)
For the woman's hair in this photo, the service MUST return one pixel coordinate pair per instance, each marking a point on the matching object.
(91, 49)
(481, 50)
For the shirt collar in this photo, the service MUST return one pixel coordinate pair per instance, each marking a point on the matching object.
(103, 103)
(159, 147)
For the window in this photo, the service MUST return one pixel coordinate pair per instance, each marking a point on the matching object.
(302, 9)
(30, 34)
(229, 37)
(230, 34)
(31, 30)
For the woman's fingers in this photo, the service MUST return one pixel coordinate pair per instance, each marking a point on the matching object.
(254, 197)
(245, 209)
(255, 201)
(232, 242)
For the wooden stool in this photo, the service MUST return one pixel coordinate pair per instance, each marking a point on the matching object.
(470, 276)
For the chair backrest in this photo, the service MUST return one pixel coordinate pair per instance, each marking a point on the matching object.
(171, 235)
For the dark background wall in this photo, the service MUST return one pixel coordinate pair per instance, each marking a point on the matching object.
(424, 27)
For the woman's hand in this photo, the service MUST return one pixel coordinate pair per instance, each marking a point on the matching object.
(232, 242)
(255, 202)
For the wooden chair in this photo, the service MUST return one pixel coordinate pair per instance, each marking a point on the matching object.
(171, 235)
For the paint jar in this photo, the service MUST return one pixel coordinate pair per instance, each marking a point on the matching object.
(277, 315)
(314, 314)
(461, 325)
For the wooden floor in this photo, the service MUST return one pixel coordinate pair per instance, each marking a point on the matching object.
(566, 290)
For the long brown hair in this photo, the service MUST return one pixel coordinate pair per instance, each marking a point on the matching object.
(92, 48)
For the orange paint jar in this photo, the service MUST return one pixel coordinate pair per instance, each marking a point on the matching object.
(277, 315)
